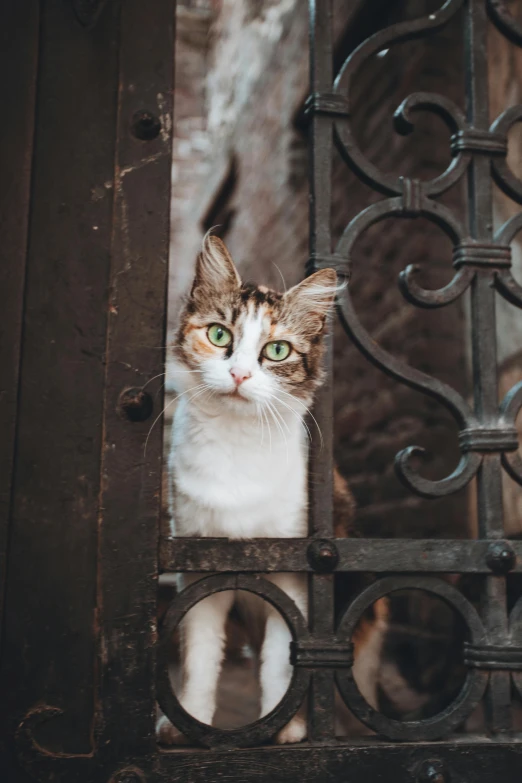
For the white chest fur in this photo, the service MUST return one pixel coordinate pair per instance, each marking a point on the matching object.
(233, 477)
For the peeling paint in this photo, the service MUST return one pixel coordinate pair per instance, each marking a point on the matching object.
(165, 118)
(143, 162)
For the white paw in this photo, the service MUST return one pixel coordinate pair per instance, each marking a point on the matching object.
(295, 731)
(168, 734)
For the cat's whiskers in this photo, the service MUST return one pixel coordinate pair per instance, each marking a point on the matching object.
(263, 413)
(296, 414)
(300, 402)
(282, 278)
(279, 415)
(179, 371)
(260, 421)
(167, 406)
(275, 413)
(158, 390)
(159, 375)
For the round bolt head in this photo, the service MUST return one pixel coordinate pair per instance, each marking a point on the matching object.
(135, 404)
(322, 555)
(500, 557)
(432, 771)
(128, 776)
(87, 10)
(145, 125)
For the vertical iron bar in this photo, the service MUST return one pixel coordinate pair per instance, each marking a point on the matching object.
(321, 721)
(484, 352)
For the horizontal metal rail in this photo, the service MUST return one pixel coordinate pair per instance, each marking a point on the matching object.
(361, 555)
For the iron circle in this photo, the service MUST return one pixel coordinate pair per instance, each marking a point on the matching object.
(474, 685)
(263, 729)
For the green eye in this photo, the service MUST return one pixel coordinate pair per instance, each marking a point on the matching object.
(219, 335)
(277, 351)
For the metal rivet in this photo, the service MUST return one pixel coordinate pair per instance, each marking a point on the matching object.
(432, 771)
(145, 125)
(500, 557)
(87, 11)
(128, 776)
(322, 555)
(135, 404)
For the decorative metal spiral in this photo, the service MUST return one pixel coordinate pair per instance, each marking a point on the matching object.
(472, 256)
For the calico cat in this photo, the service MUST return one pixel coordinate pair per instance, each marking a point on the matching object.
(247, 362)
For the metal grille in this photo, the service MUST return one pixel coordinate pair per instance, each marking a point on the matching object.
(123, 747)
(488, 437)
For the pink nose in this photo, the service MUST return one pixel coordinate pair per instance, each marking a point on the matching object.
(239, 375)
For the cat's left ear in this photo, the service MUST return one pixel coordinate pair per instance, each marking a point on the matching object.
(311, 299)
(215, 270)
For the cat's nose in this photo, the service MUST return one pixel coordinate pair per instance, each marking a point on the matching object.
(239, 375)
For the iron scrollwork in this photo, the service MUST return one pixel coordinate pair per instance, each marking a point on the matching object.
(488, 436)
(482, 262)
(472, 256)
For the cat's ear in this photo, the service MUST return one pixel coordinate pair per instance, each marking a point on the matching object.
(215, 270)
(311, 300)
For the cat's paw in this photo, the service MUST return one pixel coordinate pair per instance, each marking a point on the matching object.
(168, 734)
(295, 731)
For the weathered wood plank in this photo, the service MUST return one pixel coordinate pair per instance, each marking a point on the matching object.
(18, 58)
(50, 598)
(131, 484)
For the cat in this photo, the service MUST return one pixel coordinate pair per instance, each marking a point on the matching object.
(247, 362)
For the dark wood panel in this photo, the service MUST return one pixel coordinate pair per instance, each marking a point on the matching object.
(18, 58)
(131, 485)
(50, 604)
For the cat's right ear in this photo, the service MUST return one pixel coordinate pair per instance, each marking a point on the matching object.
(215, 270)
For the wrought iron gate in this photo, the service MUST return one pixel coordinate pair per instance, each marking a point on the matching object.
(84, 505)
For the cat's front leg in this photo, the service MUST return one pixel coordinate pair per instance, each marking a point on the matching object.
(276, 669)
(203, 649)
(203, 640)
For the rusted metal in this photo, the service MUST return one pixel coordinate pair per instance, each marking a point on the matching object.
(322, 555)
(353, 555)
(501, 557)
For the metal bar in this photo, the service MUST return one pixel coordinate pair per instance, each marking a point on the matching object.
(321, 76)
(360, 761)
(321, 725)
(321, 713)
(484, 349)
(373, 555)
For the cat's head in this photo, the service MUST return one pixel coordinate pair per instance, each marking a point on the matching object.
(240, 345)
